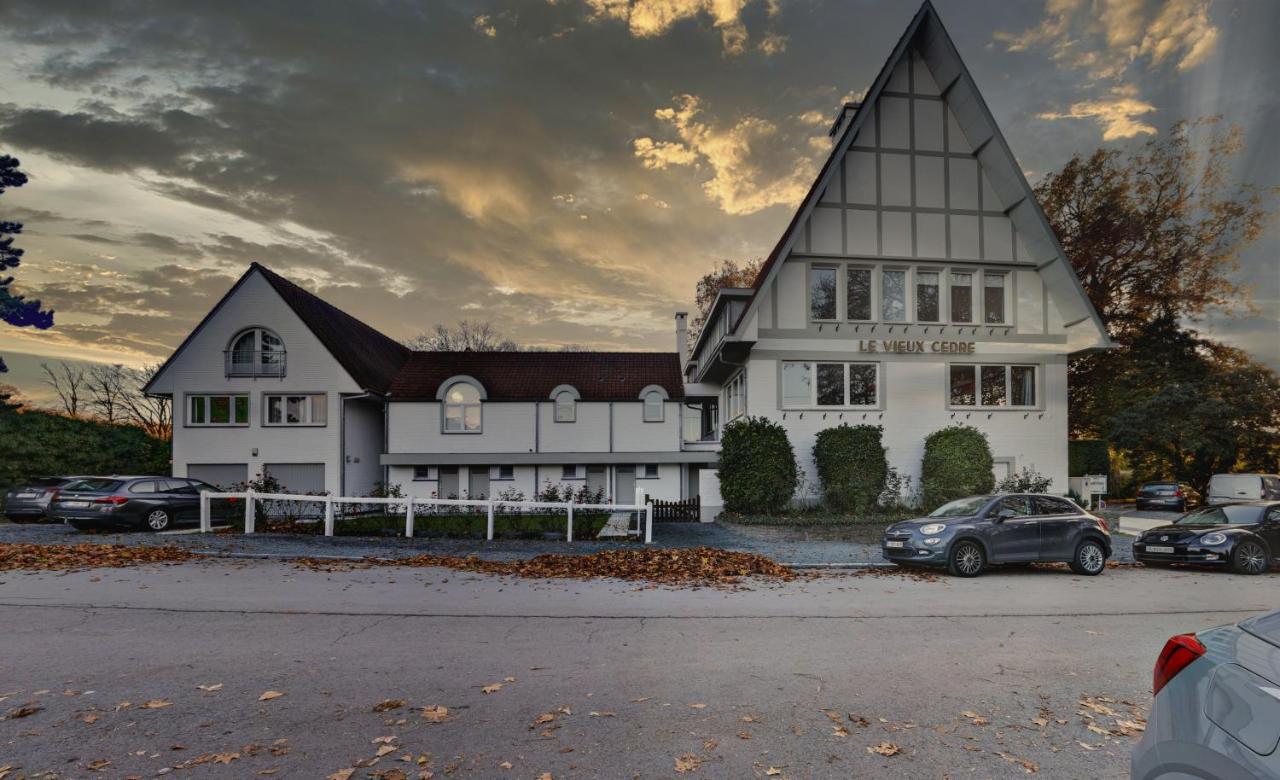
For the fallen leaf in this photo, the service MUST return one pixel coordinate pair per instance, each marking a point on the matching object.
(885, 749)
(494, 688)
(698, 706)
(341, 774)
(269, 695)
(385, 749)
(840, 731)
(744, 735)
(641, 700)
(1030, 767)
(505, 765)
(98, 765)
(210, 688)
(710, 744)
(435, 713)
(387, 740)
(225, 758)
(545, 717)
(545, 776)
(859, 721)
(773, 771)
(386, 705)
(603, 714)
(508, 679)
(155, 704)
(1087, 746)
(687, 763)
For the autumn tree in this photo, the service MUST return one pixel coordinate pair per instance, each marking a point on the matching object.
(70, 383)
(727, 275)
(467, 336)
(15, 309)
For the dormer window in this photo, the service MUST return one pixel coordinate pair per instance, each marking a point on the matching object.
(654, 406)
(462, 412)
(256, 352)
(566, 407)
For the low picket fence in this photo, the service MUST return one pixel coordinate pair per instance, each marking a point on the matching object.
(642, 508)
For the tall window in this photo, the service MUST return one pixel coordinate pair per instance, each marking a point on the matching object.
(808, 385)
(858, 293)
(295, 409)
(993, 386)
(213, 410)
(928, 303)
(566, 407)
(822, 293)
(654, 406)
(961, 296)
(735, 397)
(894, 298)
(993, 297)
(462, 409)
(256, 352)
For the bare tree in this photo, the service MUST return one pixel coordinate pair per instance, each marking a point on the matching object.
(107, 388)
(69, 383)
(151, 413)
(468, 336)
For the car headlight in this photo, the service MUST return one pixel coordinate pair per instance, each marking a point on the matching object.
(1213, 539)
(934, 541)
(933, 528)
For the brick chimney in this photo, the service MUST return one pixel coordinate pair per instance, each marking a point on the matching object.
(682, 336)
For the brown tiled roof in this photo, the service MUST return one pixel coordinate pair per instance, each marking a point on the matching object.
(531, 376)
(371, 358)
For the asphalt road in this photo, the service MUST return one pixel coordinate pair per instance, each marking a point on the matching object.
(967, 678)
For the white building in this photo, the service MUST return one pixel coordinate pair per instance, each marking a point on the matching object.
(917, 286)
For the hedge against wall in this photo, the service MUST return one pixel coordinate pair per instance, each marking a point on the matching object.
(757, 466)
(852, 465)
(957, 463)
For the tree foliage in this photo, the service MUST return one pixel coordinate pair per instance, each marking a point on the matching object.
(957, 463)
(15, 309)
(852, 465)
(757, 466)
(467, 336)
(729, 274)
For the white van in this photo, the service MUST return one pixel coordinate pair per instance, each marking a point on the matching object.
(1225, 488)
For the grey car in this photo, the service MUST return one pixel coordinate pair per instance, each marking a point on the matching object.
(1216, 711)
(967, 534)
(29, 502)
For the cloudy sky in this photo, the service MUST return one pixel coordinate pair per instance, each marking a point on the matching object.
(564, 168)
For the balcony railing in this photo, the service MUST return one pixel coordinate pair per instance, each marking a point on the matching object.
(256, 363)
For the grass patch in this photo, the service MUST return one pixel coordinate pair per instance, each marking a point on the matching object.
(817, 524)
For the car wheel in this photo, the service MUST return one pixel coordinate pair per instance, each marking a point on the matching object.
(967, 559)
(1090, 559)
(1249, 557)
(157, 520)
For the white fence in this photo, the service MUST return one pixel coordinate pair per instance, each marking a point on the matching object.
(249, 497)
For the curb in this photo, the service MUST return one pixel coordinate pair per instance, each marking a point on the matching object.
(359, 558)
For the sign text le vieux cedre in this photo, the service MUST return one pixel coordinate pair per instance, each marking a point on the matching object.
(915, 345)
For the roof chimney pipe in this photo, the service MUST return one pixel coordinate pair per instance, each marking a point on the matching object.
(682, 336)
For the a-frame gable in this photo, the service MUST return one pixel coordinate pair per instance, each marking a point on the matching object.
(922, 171)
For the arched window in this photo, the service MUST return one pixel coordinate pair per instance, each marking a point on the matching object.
(256, 352)
(462, 408)
(654, 406)
(565, 399)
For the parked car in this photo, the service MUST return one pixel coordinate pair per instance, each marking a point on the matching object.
(149, 503)
(1216, 711)
(29, 502)
(1175, 496)
(1244, 536)
(968, 534)
(1228, 488)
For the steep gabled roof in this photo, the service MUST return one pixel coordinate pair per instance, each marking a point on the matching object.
(961, 94)
(371, 358)
(531, 376)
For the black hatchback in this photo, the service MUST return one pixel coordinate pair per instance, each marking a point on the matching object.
(1244, 537)
(149, 503)
(968, 534)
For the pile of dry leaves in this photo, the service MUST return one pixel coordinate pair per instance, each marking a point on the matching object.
(69, 557)
(689, 566)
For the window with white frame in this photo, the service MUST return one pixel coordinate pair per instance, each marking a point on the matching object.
(654, 406)
(822, 292)
(503, 473)
(858, 293)
(852, 292)
(647, 471)
(962, 296)
(928, 296)
(893, 295)
(218, 409)
(818, 384)
(569, 472)
(735, 397)
(286, 409)
(994, 297)
(566, 407)
(992, 386)
(421, 473)
(256, 352)
(462, 408)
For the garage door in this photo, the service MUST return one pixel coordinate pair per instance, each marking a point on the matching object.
(298, 477)
(223, 475)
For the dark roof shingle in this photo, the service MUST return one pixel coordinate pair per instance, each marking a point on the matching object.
(531, 376)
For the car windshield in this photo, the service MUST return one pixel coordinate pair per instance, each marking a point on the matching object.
(961, 507)
(94, 485)
(1222, 515)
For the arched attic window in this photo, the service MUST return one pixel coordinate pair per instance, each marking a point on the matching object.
(655, 403)
(462, 398)
(256, 352)
(565, 398)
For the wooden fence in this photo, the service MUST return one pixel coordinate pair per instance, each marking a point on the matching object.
(677, 511)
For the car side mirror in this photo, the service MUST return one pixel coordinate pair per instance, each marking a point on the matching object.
(1005, 514)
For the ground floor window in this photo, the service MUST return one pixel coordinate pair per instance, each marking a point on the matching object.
(504, 472)
(820, 384)
(421, 473)
(988, 385)
(647, 470)
(210, 410)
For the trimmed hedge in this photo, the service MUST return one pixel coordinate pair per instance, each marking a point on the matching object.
(852, 465)
(1088, 456)
(757, 466)
(957, 463)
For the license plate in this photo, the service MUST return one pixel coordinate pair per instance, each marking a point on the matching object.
(75, 504)
(895, 544)
(1155, 548)
(26, 495)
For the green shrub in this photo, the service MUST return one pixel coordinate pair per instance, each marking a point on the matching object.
(1088, 456)
(757, 466)
(852, 466)
(957, 463)
(1025, 480)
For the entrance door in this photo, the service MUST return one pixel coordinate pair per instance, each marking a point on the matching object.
(478, 482)
(624, 485)
(1016, 536)
(448, 487)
